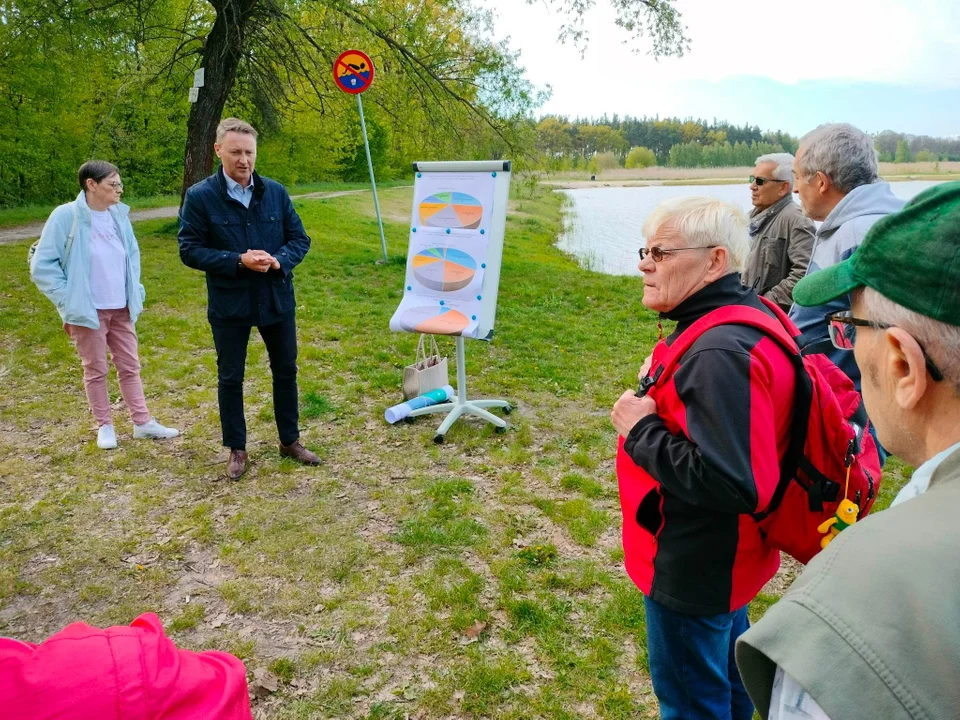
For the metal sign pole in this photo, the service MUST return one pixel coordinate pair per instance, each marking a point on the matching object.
(373, 182)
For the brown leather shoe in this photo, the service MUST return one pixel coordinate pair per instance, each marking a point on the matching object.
(299, 453)
(237, 464)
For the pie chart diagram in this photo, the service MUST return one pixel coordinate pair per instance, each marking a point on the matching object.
(455, 210)
(434, 320)
(444, 269)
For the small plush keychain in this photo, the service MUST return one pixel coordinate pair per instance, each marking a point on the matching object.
(846, 514)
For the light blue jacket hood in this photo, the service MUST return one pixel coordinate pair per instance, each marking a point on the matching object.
(66, 281)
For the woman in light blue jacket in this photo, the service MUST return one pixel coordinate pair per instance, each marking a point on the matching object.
(88, 264)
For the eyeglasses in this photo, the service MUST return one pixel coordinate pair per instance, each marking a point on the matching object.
(658, 253)
(842, 327)
(116, 185)
(760, 181)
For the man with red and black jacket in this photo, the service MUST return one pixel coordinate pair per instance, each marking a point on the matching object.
(700, 452)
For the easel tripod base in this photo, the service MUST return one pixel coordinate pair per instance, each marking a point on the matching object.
(461, 406)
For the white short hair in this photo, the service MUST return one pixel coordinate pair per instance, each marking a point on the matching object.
(940, 340)
(843, 153)
(704, 221)
(784, 163)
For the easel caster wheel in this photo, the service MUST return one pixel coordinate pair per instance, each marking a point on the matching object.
(508, 409)
(438, 439)
(500, 430)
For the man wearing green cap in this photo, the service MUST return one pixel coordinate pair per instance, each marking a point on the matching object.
(872, 628)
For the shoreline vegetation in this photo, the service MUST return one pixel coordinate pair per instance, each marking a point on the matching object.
(620, 177)
(479, 578)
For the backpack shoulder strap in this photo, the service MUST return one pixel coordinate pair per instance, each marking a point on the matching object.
(779, 329)
(729, 315)
(73, 231)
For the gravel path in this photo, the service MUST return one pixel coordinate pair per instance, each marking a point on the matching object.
(26, 232)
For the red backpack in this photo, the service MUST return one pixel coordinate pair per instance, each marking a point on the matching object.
(829, 435)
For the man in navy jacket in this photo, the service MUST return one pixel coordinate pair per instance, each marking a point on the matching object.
(241, 230)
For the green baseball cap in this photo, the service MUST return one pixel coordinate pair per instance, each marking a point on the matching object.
(911, 257)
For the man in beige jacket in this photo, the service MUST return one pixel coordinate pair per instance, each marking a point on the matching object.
(872, 628)
(781, 236)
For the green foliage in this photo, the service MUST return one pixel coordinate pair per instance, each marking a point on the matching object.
(355, 169)
(689, 154)
(926, 156)
(888, 141)
(606, 161)
(903, 154)
(742, 154)
(640, 157)
(538, 554)
(110, 80)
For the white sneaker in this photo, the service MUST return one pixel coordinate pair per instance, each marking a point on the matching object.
(154, 430)
(106, 437)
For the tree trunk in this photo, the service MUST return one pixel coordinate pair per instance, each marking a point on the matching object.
(222, 52)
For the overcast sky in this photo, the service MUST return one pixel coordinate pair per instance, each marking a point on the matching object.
(880, 64)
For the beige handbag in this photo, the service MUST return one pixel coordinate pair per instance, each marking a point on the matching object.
(429, 372)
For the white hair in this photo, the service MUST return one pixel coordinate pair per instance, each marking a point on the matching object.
(704, 221)
(940, 340)
(843, 153)
(784, 166)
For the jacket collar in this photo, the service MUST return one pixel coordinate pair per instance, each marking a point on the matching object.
(258, 186)
(948, 468)
(728, 290)
(758, 220)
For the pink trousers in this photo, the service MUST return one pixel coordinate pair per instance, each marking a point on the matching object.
(116, 332)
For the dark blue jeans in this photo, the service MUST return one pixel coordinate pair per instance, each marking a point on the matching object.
(692, 666)
(231, 343)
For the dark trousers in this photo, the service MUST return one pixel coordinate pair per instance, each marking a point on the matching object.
(692, 666)
(231, 343)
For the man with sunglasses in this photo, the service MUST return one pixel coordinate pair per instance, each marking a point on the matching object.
(781, 236)
(872, 628)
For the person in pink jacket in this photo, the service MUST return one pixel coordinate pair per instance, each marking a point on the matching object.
(119, 673)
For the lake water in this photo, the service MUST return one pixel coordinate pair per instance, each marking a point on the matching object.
(603, 228)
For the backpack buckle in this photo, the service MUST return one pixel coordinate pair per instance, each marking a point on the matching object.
(647, 383)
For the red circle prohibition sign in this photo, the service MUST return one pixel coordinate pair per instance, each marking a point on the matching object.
(353, 71)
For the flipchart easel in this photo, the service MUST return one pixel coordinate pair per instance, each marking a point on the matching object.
(480, 314)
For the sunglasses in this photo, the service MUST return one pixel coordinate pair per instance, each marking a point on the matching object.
(761, 181)
(658, 253)
(842, 328)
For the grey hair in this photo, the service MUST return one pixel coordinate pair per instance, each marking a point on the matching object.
(784, 169)
(941, 340)
(96, 170)
(232, 124)
(843, 153)
(704, 221)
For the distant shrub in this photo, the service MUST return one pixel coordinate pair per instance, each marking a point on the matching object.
(640, 157)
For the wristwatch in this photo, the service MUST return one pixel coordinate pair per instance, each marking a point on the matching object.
(240, 262)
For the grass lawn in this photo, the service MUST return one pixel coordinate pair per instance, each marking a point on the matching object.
(479, 578)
